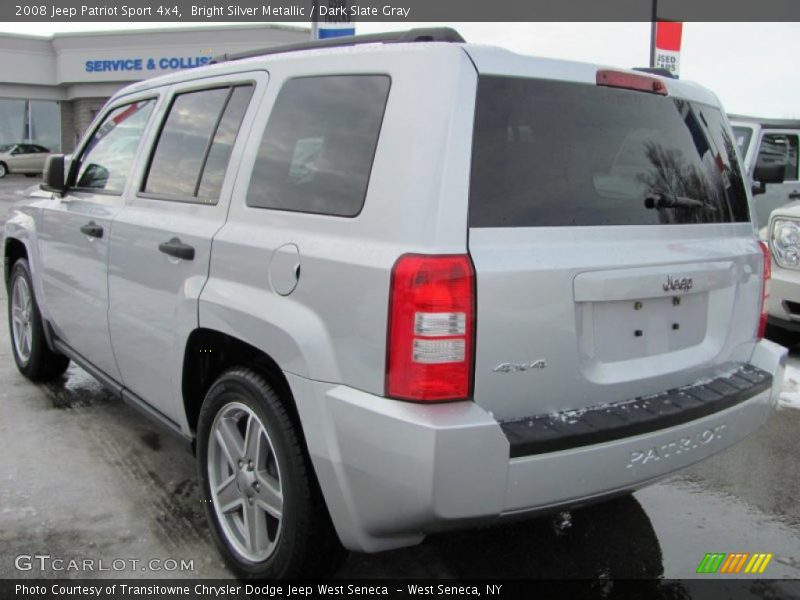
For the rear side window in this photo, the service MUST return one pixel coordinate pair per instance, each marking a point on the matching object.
(317, 150)
(549, 153)
(106, 160)
(193, 148)
(221, 147)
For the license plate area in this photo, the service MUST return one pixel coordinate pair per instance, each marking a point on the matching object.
(629, 329)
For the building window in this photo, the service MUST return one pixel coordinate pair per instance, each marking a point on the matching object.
(44, 124)
(31, 121)
(12, 121)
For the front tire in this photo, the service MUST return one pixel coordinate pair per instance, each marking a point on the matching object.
(262, 501)
(33, 357)
(3, 170)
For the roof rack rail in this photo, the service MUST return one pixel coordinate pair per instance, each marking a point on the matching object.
(425, 34)
(656, 71)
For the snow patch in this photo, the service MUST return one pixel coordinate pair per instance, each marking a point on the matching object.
(790, 392)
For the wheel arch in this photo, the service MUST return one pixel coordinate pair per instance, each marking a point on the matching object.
(209, 353)
(13, 250)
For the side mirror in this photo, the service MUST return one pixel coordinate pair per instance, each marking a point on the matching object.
(773, 157)
(767, 173)
(770, 173)
(53, 175)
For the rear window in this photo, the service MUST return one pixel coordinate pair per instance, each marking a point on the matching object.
(548, 153)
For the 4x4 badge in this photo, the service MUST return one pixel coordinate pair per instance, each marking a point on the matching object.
(517, 367)
(678, 285)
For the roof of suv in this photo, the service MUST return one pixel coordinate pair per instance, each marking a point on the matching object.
(767, 123)
(491, 60)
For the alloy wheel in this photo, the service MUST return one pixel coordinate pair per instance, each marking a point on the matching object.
(245, 482)
(22, 318)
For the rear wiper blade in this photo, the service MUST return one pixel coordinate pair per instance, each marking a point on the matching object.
(659, 201)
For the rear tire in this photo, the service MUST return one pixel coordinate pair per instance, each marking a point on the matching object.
(266, 513)
(32, 355)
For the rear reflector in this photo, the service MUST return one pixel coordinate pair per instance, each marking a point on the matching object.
(631, 81)
(767, 274)
(431, 328)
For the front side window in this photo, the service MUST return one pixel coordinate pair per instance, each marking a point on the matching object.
(106, 161)
(317, 150)
(194, 146)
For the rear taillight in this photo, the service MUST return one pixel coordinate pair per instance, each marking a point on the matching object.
(631, 81)
(430, 343)
(767, 273)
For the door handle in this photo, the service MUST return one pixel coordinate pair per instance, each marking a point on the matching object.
(794, 195)
(92, 229)
(175, 247)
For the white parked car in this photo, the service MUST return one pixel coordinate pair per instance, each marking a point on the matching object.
(783, 303)
(769, 151)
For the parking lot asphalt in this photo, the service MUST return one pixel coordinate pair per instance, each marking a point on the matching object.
(84, 476)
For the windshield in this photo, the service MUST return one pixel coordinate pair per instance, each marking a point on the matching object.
(549, 153)
(6, 147)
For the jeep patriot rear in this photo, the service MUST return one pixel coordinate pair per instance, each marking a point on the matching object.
(396, 285)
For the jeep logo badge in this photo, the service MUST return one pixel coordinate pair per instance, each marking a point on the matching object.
(674, 284)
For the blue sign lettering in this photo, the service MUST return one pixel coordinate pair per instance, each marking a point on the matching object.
(139, 64)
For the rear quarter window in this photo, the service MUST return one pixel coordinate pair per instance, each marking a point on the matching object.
(317, 150)
(549, 153)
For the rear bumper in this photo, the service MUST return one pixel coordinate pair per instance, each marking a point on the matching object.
(609, 422)
(392, 472)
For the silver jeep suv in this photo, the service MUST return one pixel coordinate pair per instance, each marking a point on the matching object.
(398, 284)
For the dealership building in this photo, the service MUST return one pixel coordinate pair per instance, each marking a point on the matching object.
(52, 87)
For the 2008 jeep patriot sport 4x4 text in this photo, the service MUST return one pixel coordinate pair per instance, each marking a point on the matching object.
(395, 285)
